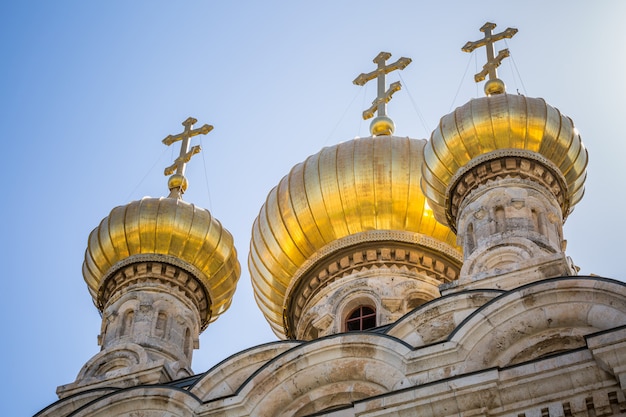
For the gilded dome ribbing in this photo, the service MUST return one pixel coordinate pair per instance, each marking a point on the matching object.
(341, 196)
(170, 230)
(491, 127)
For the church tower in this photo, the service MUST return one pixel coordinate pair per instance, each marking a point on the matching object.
(504, 171)
(346, 241)
(159, 271)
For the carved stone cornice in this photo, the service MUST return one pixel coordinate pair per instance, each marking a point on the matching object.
(509, 163)
(156, 269)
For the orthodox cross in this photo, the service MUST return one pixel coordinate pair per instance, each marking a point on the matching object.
(185, 155)
(493, 62)
(380, 102)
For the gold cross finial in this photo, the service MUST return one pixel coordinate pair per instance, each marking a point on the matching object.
(382, 125)
(494, 85)
(177, 183)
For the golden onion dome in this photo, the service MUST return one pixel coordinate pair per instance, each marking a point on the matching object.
(169, 230)
(499, 125)
(346, 194)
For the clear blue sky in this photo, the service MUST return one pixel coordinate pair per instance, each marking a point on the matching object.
(89, 89)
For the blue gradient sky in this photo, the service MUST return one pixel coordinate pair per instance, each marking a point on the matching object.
(89, 89)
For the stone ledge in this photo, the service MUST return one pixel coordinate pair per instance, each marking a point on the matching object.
(526, 272)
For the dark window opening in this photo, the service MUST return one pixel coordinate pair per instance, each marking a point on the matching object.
(361, 318)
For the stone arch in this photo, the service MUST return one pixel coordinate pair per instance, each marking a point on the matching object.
(415, 299)
(434, 321)
(125, 318)
(503, 256)
(331, 396)
(147, 401)
(119, 357)
(71, 402)
(347, 298)
(163, 319)
(352, 301)
(415, 294)
(301, 380)
(539, 319)
(226, 378)
(327, 311)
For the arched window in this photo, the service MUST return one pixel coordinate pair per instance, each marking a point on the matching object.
(159, 328)
(127, 323)
(361, 318)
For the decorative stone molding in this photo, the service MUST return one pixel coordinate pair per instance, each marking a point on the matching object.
(160, 269)
(145, 401)
(529, 270)
(609, 350)
(370, 237)
(337, 371)
(499, 165)
(224, 379)
(545, 388)
(323, 323)
(412, 258)
(125, 366)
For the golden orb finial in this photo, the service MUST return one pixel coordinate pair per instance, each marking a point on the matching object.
(177, 181)
(495, 86)
(382, 126)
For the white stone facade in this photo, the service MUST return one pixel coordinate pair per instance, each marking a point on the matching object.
(556, 347)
